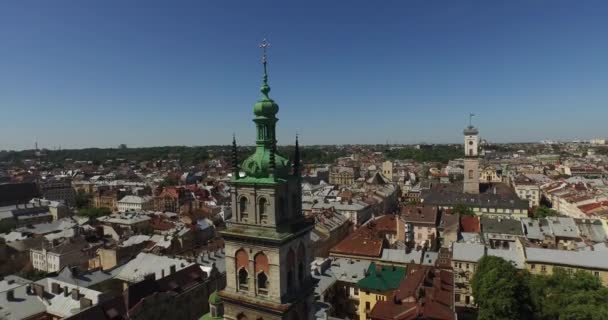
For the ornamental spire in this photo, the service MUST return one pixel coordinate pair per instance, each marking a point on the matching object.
(296, 159)
(265, 87)
(273, 164)
(235, 161)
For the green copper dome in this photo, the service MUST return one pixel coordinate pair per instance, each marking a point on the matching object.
(265, 162)
(266, 107)
(257, 165)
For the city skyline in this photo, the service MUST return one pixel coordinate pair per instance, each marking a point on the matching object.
(96, 75)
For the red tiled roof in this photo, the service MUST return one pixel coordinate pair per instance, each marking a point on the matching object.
(365, 241)
(408, 303)
(386, 223)
(420, 214)
(158, 223)
(587, 208)
(470, 224)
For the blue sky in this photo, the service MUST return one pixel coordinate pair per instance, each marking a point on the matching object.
(100, 73)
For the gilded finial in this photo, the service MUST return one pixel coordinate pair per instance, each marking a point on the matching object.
(265, 87)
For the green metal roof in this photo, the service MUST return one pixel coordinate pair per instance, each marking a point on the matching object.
(382, 278)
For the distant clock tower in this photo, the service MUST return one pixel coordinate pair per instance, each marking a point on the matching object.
(267, 241)
(471, 158)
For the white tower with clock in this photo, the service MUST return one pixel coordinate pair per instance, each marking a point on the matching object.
(471, 158)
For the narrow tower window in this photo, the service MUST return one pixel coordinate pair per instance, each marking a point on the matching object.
(262, 283)
(262, 209)
(243, 202)
(243, 279)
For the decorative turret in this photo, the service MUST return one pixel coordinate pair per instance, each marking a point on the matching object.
(216, 308)
(265, 162)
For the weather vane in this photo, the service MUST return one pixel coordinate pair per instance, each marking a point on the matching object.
(265, 44)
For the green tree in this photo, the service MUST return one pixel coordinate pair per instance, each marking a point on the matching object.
(463, 210)
(169, 181)
(500, 290)
(571, 296)
(543, 212)
(82, 199)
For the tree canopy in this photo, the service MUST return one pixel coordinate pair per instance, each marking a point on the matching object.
(463, 210)
(437, 153)
(568, 296)
(503, 292)
(543, 212)
(500, 290)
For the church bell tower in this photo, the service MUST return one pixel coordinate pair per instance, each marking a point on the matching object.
(267, 241)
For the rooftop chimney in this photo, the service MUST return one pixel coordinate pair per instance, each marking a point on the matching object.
(85, 303)
(172, 269)
(10, 295)
(38, 290)
(55, 288)
(75, 294)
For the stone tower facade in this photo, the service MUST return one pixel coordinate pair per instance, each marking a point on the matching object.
(471, 160)
(267, 241)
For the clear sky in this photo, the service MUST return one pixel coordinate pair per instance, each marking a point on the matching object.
(147, 73)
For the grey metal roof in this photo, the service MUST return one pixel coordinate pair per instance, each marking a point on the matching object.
(591, 229)
(586, 259)
(511, 255)
(501, 226)
(451, 197)
(349, 270)
(400, 256)
(11, 282)
(562, 227)
(471, 252)
(531, 229)
(46, 228)
(86, 279)
(23, 306)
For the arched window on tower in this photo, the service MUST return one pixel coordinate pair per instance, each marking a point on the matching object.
(262, 283)
(291, 262)
(261, 271)
(243, 204)
(470, 174)
(243, 277)
(470, 152)
(263, 209)
(242, 264)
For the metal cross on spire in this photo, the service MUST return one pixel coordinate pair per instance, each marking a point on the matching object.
(471, 115)
(265, 44)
